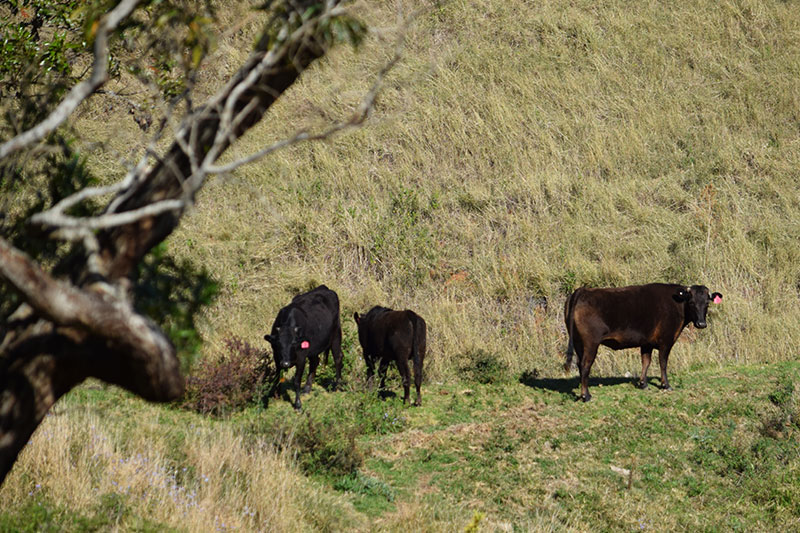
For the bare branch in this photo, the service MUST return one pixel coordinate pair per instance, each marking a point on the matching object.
(80, 196)
(355, 120)
(80, 92)
(56, 218)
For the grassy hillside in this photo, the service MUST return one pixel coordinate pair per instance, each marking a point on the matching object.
(517, 155)
(717, 454)
(517, 152)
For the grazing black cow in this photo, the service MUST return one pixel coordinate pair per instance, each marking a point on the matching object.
(644, 316)
(388, 336)
(304, 329)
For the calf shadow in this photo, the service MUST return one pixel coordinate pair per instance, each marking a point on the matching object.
(570, 387)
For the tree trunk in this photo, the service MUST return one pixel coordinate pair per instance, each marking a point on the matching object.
(67, 332)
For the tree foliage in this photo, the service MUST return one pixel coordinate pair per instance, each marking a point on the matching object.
(81, 296)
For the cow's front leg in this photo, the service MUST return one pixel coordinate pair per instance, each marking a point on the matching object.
(312, 372)
(274, 389)
(663, 357)
(338, 355)
(647, 355)
(298, 378)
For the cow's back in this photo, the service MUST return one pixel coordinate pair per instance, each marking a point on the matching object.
(317, 310)
(634, 308)
(320, 298)
(382, 330)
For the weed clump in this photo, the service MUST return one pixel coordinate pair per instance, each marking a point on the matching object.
(228, 383)
(328, 438)
(364, 485)
(326, 447)
(784, 417)
(484, 367)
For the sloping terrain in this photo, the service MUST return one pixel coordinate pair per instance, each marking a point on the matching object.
(518, 151)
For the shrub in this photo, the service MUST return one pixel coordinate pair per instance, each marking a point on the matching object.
(484, 367)
(219, 386)
(327, 439)
(326, 446)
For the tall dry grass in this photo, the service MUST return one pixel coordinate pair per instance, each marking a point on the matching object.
(195, 476)
(517, 153)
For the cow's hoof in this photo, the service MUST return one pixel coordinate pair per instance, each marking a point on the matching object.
(418, 403)
(641, 384)
(666, 388)
(586, 397)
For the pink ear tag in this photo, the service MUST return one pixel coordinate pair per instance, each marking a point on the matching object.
(304, 345)
(717, 299)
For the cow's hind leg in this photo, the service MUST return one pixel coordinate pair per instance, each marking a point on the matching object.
(370, 362)
(382, 372)
(589, 352)
(405, 375)
(312, 372)
(663, 357)
(647, 355)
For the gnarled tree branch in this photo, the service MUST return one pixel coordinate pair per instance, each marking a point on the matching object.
(66, 331)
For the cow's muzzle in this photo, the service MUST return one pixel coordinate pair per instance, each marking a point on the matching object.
(700, 324)
(286, 364)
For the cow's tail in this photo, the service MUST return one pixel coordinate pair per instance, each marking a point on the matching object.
(569, 318)
(418, 345)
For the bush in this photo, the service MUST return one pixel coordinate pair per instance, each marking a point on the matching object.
(484, 367)
(228, 383)
(328, 447)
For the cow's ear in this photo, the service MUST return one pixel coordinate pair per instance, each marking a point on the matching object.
(356, 317)
(716, 298)
(268, 337)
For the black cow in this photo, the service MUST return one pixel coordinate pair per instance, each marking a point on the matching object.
(304, 329)
(388, 336)
(644, 316)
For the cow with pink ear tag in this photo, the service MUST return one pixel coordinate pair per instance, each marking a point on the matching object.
(649, 317)
(304, 329)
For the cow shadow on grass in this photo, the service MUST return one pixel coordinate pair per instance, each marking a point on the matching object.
(570, 387)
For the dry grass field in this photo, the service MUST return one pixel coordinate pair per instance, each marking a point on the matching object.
(518, 151)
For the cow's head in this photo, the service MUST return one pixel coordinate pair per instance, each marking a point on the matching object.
(696, 299)
(286, 340)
